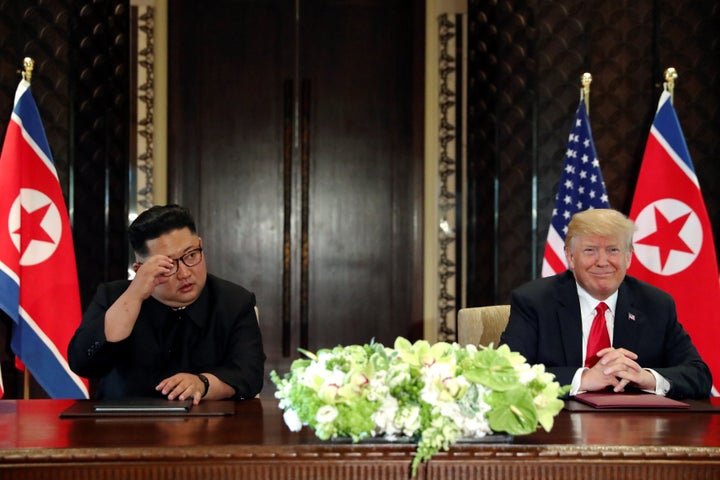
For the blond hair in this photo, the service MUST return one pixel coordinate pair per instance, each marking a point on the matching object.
(604, 222)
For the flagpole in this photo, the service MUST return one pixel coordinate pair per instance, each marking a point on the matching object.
(670, 77)
(28, 67)
(586, 80)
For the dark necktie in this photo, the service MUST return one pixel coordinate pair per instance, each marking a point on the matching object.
(598, 338)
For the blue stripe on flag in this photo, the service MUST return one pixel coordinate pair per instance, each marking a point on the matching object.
(9, 295)
(56, 378)
(27, 110)
(668, 126)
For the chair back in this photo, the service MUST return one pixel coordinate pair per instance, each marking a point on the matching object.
(482, 325)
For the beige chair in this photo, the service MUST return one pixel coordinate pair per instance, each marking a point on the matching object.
(482, 325)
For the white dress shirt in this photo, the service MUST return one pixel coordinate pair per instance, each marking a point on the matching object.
(588, 306)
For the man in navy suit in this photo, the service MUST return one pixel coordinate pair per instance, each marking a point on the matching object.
(550, 318)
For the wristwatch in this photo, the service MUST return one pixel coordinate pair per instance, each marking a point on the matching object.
(205, 381)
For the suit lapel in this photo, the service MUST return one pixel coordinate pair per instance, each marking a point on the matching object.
(568, 318)
(627, 320)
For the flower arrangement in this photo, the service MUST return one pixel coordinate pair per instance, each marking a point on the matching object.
(435, 394)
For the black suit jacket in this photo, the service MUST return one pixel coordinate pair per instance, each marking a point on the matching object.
(218, 334)
(545, 327)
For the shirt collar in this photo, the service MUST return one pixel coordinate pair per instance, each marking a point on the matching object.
(197, 311)
(588, 303)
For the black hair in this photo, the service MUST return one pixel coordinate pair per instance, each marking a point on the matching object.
(157, 221)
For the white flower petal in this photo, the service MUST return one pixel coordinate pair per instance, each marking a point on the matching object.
(292, 420)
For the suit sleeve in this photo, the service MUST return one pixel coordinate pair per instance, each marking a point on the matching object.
(523, 335)
(682, 366)
(521, 332)
(89, 354)
(244, 363)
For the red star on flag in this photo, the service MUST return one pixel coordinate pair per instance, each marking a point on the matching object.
(666, 237)
(31, 227)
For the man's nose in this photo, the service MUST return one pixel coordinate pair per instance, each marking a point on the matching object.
(183, 271)
(602, 257)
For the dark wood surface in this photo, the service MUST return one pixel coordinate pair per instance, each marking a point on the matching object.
(255, 442)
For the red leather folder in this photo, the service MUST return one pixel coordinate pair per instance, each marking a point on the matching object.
(628, 400)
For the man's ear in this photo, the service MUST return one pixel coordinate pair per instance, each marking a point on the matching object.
(136, 266)
(568, 257)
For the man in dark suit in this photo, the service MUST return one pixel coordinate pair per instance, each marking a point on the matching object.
(551, 319)
(174, 331)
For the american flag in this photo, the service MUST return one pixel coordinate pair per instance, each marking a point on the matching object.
(581, 188)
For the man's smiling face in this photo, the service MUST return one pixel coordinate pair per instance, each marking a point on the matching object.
(599, 263)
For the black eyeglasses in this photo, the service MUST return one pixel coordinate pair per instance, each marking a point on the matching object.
(190, 259)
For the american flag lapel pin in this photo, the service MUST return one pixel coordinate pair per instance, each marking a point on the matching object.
(631, 317)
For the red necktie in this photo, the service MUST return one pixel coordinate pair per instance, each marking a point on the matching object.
(598, 338)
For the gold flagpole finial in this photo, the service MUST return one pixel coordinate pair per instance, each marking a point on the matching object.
(28, 66)
(670, 76)
(586, 80)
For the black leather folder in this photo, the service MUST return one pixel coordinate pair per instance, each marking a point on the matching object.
(147, 407)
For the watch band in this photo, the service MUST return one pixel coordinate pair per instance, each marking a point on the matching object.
(205, 381)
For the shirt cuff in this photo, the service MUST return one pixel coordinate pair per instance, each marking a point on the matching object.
(575, 385)
(662, 385)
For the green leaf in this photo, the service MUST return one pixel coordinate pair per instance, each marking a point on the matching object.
(402, 343)
(512, 412)
(490, 368)
(546, 416)
(308, 354)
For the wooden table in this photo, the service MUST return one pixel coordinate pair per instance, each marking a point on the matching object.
(255, 443)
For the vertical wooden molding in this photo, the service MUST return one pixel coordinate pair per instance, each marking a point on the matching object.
(145, 107)
(446, 173)
(148, 97)
(445, 159)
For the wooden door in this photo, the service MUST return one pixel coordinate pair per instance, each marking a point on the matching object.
(295, 140)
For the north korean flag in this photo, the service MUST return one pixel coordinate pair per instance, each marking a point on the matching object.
(38, 276)
(674, 247)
